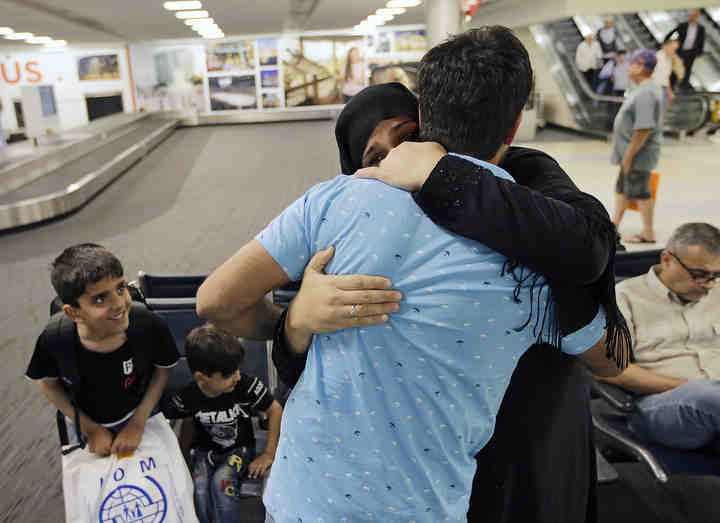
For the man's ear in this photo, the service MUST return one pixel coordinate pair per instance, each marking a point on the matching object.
(665, 258)
(71, 312)
(200, 376)
(511, 135)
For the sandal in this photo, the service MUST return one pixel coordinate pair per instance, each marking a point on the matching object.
(638, 238)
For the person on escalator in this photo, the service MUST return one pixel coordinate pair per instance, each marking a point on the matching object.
(691, 34)
(608, 40)
(588, 59)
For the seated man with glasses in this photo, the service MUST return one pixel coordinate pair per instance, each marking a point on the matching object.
(673, 313)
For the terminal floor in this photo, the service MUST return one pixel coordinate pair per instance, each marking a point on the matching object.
(202, 194)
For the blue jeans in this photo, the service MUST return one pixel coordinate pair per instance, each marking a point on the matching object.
(222, 488)
(686, 417)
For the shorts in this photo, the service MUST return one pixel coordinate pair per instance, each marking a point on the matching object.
(635, 185)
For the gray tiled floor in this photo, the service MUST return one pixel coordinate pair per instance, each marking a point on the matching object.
(187, 207)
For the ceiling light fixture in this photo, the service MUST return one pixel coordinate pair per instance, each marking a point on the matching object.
(191, 14)
(19, 36)
(199, 21)
(56, 43)
(390, 11)
(380, 18)
(182, 6)
(404, 3)
(6, 31)
(39, 40)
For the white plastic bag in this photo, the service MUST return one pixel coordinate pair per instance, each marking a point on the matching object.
(151, 486)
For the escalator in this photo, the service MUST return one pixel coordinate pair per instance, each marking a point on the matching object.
(639, 30)
(712, 16)
(659, 24)
(593, 112)
(559, 40)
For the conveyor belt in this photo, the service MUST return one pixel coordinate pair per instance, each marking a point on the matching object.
(73, 171)
(74, 183)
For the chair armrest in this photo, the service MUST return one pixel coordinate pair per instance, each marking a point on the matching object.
(614, 395)
(161, 304)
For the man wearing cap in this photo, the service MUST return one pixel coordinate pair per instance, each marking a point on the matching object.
(637, 133)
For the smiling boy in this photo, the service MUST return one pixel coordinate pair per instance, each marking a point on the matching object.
(111, 381)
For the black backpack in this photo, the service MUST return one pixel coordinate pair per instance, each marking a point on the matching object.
(61, 330)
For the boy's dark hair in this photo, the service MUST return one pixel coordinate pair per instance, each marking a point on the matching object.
(210, 350)
(79, 266)
(472, 88)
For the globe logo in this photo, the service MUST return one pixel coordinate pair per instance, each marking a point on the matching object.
(132, 504)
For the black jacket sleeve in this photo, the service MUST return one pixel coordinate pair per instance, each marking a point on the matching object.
(543, 221)
(288, 364)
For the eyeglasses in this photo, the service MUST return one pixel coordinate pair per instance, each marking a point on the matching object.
(699, 275)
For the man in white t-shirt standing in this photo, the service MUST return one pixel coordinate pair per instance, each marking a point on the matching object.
(663, 70)
(588, 58)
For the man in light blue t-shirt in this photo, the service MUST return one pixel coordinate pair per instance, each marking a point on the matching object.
(386, 420)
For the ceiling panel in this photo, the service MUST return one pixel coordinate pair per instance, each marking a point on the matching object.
(79, 21)
(26, 19)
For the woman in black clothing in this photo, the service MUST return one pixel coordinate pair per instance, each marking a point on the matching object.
(540, 464)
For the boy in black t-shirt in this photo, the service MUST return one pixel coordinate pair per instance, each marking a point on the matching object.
(221, 400)
(119, 383)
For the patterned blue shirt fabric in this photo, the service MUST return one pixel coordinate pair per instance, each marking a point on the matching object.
(386, 420)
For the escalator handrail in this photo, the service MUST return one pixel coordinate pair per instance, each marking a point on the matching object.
(592, 94)
(627, 31)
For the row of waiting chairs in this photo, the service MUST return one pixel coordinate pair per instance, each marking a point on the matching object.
(173, 297)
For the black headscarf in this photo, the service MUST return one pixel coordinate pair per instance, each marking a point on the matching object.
(361, 115)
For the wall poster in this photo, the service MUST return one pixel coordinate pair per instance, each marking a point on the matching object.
(231, 57)
(322, 70)
(233, 92)
(99, 67)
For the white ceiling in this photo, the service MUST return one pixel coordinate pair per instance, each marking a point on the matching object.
(96, 21)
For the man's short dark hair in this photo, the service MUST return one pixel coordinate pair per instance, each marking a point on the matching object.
(210, 349)
(79, 266)
(472, 89)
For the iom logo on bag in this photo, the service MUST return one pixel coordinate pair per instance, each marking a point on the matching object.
(134, 504)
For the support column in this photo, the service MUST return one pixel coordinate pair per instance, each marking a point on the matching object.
(442, 19)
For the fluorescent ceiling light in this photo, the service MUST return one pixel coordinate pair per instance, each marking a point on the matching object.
(19, 36)
(39, 40)
(208, 29)
(182, 6)
(213, 36)
(404, 3)
(390, 11)
(56, 43)
(199, 21)
(191, 14)
(6, 31)
(379, 18)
